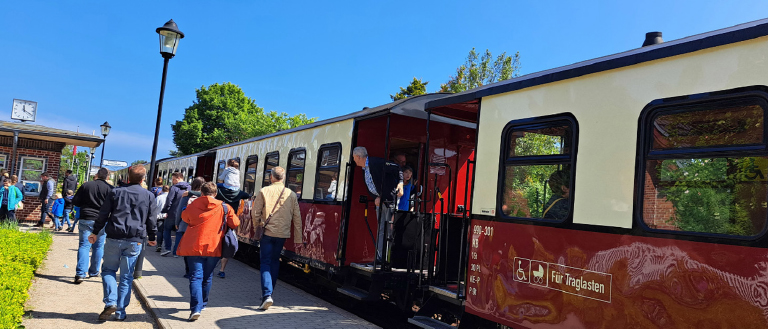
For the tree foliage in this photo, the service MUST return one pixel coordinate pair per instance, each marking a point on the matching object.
(417, 87)
(78, 163)
(482, 70)
(138, 162)
(223, 114)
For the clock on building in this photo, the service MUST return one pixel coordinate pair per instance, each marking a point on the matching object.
(24, 110)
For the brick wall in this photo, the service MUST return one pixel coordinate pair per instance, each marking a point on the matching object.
(657, 211)
(31, 211)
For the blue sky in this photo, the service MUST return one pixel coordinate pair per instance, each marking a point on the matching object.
(90, 62)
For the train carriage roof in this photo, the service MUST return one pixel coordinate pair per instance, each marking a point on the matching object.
(463, 106)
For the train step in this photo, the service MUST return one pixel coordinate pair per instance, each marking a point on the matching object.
(358, 293)
(428, 323)
(449, 291)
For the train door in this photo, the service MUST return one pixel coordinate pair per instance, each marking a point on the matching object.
(205, 166)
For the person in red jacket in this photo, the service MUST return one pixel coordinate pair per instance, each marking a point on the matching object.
(201, 243)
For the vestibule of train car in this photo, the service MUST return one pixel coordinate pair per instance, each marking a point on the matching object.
(440, 151)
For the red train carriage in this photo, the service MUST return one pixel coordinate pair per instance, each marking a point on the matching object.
(628, 191)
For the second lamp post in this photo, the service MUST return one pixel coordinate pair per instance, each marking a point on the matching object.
(104, 131)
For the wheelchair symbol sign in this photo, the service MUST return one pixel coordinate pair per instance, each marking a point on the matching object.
(522, 270)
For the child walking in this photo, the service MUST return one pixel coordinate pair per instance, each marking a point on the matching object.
(68, 210)
(57, 209)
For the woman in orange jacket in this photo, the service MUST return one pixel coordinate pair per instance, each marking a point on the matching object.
(201, 243)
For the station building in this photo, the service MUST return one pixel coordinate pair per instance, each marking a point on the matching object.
(29, 150)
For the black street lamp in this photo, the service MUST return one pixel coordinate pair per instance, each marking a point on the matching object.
(169, 41)
(104, 132)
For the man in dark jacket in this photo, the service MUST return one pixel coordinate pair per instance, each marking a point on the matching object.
(171, 208)
(69, 183)
(385, 183)
(47, 189)
(128, 215)
(89, 198)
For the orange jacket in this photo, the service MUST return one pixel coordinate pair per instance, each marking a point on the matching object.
(204, 233)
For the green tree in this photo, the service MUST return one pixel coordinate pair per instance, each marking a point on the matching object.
(417, 87)
(482, 70)
(77, 163)
(222, 114)
(138, 162)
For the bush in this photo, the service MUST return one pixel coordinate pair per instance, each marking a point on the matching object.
(20, 254)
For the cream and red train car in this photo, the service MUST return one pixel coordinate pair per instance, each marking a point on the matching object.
(628, 191)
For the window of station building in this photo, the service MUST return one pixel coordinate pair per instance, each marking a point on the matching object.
(704, 166)
(295, 176)
(327, 176)
(270, 161)
(31, 169)
(219, 170)
(249, 181)
(3, 159)
(538, 167)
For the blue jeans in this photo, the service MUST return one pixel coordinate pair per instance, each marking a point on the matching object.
(200, 280)
(57, 223)
(45, 209)
(160, 230)
(66, 217)
(168, 226)
(85, 228)
(270, 263)
(120, 254)
(178, 239)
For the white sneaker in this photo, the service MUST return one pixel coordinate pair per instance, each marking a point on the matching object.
(266, 303)
(194, 316)
(165, 253)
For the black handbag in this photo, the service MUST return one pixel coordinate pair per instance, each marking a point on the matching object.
(229, 242)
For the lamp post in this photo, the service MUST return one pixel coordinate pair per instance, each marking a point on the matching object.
(104, 132)
(169, 41)
(90, 164)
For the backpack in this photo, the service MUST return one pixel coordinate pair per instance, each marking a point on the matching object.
(229, 242)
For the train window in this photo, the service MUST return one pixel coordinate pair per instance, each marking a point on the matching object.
(704, 166)
(270, 161)
(183, 174)
(537, 168)
(249, 183)
(326, 179)
(222, 165)
(190, 174)
(295, 175)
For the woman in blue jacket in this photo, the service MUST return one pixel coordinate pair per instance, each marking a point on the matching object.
(9, 199)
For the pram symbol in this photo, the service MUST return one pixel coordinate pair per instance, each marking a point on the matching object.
(538, 276)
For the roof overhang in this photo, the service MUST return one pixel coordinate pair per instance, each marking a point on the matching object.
(54, 135)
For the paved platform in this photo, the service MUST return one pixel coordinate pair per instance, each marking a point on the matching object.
(234, 301)
(56, 302)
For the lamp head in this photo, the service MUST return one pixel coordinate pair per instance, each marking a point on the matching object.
(169, 38)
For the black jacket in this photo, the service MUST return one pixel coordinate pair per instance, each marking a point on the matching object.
(173, 199)
(90, 197)
(70, 183)
(386, 175)
(68, 202)
(230, 197)
(129, 213)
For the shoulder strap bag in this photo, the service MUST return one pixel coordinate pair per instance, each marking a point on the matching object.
(260, 229)
(229, 241)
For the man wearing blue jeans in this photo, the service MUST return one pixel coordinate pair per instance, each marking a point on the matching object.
(47, 188)
(275, 207)
(89, 198)
(128, 215)
(171, 208)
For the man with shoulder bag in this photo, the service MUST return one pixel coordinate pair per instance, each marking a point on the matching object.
(275, 207)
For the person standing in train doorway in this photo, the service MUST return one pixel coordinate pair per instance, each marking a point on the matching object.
(276, 206)
(385, 183)
(171, 209)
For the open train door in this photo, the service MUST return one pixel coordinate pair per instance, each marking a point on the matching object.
(448, 184)
(205, 165)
